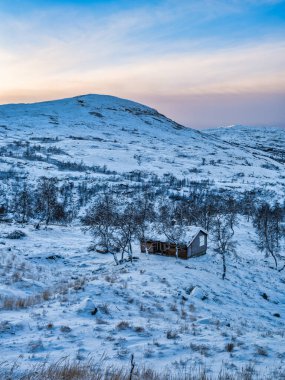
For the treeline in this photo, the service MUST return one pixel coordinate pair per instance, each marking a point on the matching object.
(118, 215)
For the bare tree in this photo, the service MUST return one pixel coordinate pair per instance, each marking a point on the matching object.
(23, 203)
(223, 233)
(101, 219)
(230, 210)
(145, 215)
(247, 203)
(68, 200)
(47, 203)
(126, 229)
(170, 227)
(267, 222)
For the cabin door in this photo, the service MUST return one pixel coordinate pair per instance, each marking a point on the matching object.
(158, 246)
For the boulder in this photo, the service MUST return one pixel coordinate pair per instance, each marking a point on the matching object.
(87, 306)
(198, 293)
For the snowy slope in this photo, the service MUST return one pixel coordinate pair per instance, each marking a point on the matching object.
(123, 136)
(167, 312)
(268, 141)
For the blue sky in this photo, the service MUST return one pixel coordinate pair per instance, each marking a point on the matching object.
(202, 62)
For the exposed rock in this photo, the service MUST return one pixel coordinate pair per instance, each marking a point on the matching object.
(87, 306)
(198, 293)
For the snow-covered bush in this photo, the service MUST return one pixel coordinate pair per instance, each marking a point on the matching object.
(17, 234)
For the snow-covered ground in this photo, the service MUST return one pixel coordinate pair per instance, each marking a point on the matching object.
(59, 298)
(167, 312)
(124, 136)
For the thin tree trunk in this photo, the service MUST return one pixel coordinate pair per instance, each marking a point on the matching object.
(132, 367)
(130, 251)
(115, 258)
(275, 260)
(268, 249)
(281, 269)
(224, 266)
(145, 248)
(176, 251)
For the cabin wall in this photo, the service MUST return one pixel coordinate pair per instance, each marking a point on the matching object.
(150, 247)
(165, 249)
(195, 249)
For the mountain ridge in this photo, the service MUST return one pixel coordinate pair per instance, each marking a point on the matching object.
(125, 136)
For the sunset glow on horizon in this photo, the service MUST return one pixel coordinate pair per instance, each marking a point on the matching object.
(203, 63)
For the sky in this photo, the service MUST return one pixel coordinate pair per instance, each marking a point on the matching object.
(204, 63)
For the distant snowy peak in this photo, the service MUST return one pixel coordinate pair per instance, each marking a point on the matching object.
(82, 104)
(87, 111)
(89, 100)
(239, 127)
(268, 140)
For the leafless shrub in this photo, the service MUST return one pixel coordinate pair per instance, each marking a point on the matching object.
(183, 314)
(17, 234)
(159, 306)
(192, 308)
(173, 307)
(101, 321)
(201, 348)
(139, 329)
(229, 347)
(171, 334)
(261, 351)
(123, 325)
(123, 352)
(105, 308)
(148, 352)
(111, 279)
(65, 329)
(79, 284)
(16, 276)
(5, 326)
(143, 307)
(35, 346)
(46, 295)
(184, 328)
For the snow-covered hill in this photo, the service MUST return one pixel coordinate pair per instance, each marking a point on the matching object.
(123, 136)
(58, 297)
(270, 141)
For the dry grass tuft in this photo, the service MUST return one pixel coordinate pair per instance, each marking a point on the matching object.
(65, 369)
(229, 347)
(123, 325)
(171, 334)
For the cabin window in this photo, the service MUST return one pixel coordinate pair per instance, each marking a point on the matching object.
(202, 240)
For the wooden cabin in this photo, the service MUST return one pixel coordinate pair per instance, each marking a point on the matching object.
(192, 244)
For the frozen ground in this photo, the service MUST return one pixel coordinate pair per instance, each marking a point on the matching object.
(122, 136)
(58, 298)
(166, 312)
